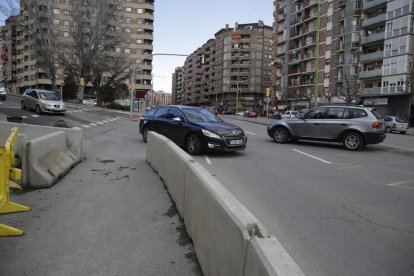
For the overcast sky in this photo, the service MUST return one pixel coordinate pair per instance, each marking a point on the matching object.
(181, 26)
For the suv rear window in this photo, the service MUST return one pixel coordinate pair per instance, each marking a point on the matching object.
(376, 114)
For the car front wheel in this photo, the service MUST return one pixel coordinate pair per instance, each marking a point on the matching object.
(353, 141)
(280, 135)
(38, 109)
(193, 144)
(387, 129)
(23, 106)
(145, 134)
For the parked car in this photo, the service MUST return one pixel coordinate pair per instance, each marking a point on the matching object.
(228, 112)
(2, 92)
(250, 114)
(397, 124)
(42, 101)
(353, 127)
(193, 128)
(90, 102)
(290, 114)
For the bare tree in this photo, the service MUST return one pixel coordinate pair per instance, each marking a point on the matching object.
(328, 95)
(97, 42)
(350, 90)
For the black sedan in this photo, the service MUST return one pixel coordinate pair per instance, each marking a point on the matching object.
(193, 128)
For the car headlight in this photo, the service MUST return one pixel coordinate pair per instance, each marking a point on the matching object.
(210, 134)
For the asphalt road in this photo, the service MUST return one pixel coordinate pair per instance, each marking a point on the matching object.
(336, 212)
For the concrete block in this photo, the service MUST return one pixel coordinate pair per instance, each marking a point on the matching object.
(267, 257)
(45, 160)
(219, 225)
(73, 137)
(175, 171)
(155, 145)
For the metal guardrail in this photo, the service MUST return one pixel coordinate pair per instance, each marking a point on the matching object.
(8, 176)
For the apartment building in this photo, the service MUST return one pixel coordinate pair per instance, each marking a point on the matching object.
(3, 54)
(300, 50)
(231, 71)
(137, 24)
(386, 62)
(177, 85)
(332, 48)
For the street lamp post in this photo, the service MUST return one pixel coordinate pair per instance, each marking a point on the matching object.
(238, 85)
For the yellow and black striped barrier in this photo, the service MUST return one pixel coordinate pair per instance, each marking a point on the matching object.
(8, 176)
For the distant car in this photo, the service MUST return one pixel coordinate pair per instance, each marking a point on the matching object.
(241, 113)
(2, 92)
(250, 114)
(290, 114)
(193, 128)
(228, 112)
(354, 127)
(397, 124)
(212, 110)
(89, 102)
(42, 101)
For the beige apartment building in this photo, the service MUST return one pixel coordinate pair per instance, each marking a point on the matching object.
(231, 71)
(177, 85)
(20, 69)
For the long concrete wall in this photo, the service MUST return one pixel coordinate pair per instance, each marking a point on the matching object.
(228, 239)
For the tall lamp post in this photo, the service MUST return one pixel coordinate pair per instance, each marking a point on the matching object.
(238, 85)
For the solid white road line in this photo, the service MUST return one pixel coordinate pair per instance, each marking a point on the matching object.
(207, 159)
(317, 158)
(251, 133)
(35, 116)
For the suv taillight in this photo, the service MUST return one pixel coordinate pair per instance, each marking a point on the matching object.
(376, 124)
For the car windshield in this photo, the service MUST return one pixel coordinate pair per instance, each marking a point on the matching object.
(200, 115)
(48, 96)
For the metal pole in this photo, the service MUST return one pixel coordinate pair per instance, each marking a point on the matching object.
(238, 86)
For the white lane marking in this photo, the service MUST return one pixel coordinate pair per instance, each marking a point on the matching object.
(99, 123)
(68, 111)
(317, 158)
(105, 121)
(251, 133)
(25, 117)
(35, 116)
(92, 124)
(85, 126)
(207, 160)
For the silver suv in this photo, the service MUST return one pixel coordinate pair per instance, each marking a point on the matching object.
(352, 126)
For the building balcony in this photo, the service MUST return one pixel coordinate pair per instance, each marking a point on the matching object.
(370, 4)
(371, 91)
(373, 38)
(374, 20)
(372, 56)
(370, 74)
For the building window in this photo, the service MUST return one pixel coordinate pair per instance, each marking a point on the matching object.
(128, 20)
(128, 9)
(66, 12)
(127, 30)
(329, 19)
(389, 26)
(140, 10)
(56, 11)
(66, 23)
(117, 49)
(65, 34)
(127, 51)
(139, 41)
(56, 21)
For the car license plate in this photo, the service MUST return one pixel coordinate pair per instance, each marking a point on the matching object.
(236, 142)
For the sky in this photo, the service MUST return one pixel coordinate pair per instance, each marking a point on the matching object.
(182, 26)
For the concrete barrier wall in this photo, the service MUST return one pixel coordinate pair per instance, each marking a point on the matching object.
(73, 137)
(228, 239)
(45, 160)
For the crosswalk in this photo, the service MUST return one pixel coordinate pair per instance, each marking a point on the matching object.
(99, 123)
